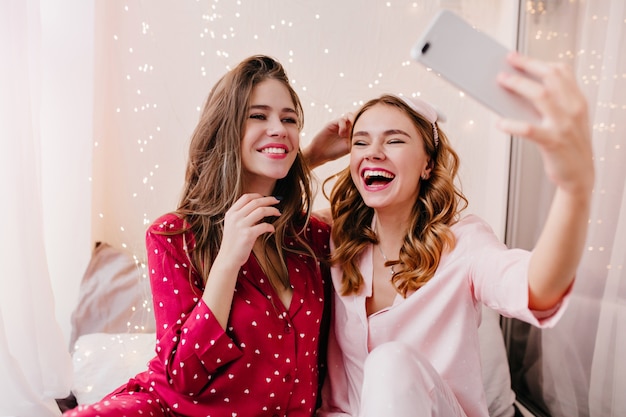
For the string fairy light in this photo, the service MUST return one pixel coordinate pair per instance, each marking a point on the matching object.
(160, 74)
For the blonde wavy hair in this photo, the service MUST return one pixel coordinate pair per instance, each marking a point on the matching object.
(437, 207)
(213, 179)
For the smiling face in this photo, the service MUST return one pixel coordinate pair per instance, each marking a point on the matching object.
(271, 137)
(387, 159)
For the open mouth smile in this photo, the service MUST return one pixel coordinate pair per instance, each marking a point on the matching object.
(377, 177)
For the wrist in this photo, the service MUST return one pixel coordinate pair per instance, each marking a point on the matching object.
(309, 157)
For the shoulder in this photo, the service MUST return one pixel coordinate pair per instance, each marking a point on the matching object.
(167, 223)
(474, 233)
(318, 235)
(324, 215)
(318, 230)
(315, 223)
(471, 224)
(171, 230)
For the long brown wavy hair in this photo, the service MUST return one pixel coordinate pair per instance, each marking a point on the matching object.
(436, 208)
(213, 179)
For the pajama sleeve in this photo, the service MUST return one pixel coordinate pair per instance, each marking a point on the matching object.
(191, 344)
(499, 276)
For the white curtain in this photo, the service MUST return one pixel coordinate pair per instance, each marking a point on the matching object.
(578, 368)
(35, 366)
(608, 373)
(580, 372)
(589, 376)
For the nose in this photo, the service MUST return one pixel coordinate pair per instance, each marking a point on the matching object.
(375, 152)
(275, 127)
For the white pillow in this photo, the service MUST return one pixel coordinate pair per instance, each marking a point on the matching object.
(114, 296)
(103, 362)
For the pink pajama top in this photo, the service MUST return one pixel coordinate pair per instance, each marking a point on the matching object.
(264, 364)
(439, 321)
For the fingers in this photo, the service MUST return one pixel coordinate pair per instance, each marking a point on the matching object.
(330, 143)
(341, 126)
(255, 199)
(244, 221)
(551, 87)
(563, 132)
(533, 67)
(553, 91)
(515, 127)
(542, 70)
(250, 209)
(243, 224)
(345, 125)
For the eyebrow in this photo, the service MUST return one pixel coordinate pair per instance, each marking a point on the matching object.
(385, 133)
(267, 108)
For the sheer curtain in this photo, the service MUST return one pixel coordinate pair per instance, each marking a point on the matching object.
(577, 368)
(34, 359)
(608, 372)
(605, 44)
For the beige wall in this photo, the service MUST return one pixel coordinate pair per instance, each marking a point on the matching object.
(156, 61)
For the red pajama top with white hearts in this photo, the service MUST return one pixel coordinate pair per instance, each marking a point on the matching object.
(265, 363)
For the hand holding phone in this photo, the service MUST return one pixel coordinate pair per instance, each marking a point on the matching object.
(471, 60)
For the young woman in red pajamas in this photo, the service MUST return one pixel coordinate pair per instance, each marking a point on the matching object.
(237, 272)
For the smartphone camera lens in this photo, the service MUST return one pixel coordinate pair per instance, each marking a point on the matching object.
(425, 47)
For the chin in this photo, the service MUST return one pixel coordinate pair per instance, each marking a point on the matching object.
(374, 203)
(278, 176)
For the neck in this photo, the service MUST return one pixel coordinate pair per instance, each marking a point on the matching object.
(390, 232)
(391, 225)
(258, 185)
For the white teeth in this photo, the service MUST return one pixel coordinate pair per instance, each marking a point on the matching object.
(384, 174)
(274, 150)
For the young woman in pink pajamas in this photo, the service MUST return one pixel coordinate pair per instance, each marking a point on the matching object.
(410, 274)
(237, 272)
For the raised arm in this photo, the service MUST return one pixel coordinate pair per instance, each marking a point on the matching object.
(564, 139)
(330, 143)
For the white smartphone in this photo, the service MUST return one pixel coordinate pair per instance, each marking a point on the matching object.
(471, 60)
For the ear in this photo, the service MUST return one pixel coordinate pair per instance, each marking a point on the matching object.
(427, 169)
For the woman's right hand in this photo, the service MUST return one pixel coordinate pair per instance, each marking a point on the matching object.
(243, 224)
